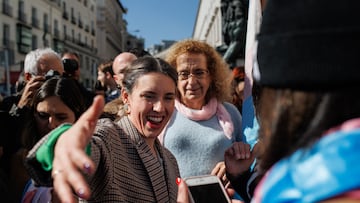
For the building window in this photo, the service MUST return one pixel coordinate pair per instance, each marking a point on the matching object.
(65, 32)
(58, 45)
(46, 24)
(73, 18)
(56, 29)
(34, 42)
(6, 35)
(92, 28)
(65, 13)
(79, 38)
(6, 8)
(24, 38)
(21, 12)
(73, 35)
(80, 22)
(81, 60)
(34, 19)
(87, 63)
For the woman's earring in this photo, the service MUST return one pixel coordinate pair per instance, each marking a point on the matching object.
(126, 108)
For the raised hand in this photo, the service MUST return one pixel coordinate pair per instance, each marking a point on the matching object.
(71, 161)
(29, 90)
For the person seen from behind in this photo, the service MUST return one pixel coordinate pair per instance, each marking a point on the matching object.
(309, 110)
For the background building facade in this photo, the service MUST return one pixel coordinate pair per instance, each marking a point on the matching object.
(111, 29)
(95, 29)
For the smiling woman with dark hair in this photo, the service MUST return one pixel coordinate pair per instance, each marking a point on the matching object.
(126, 162)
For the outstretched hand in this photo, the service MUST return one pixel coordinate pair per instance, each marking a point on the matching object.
(70, 160)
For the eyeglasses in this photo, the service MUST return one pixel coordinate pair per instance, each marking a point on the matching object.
(51, 73)
(198, 74)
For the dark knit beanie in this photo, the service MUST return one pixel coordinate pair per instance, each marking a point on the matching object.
(310, 44)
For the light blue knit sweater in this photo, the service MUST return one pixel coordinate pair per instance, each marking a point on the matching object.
(199, 145)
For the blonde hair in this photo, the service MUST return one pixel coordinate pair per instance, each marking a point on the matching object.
(220, 73)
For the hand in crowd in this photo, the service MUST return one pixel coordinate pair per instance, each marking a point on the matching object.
(220, 171)
(30, 88)
(238, 158)
(70, 160)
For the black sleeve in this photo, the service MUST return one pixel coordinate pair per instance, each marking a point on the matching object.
(239, 184)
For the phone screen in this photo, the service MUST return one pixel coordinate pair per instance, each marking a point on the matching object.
(207, 193)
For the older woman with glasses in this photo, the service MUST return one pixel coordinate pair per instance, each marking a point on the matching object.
(203, 124)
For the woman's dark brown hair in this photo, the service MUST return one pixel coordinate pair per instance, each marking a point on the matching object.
(291, 119)
(67, 89)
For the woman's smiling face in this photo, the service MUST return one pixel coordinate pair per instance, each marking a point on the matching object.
(193, 89)
(151, 103)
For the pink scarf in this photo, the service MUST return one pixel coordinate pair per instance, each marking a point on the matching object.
(206, 112)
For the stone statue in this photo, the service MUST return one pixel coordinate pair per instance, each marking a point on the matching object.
(234, 29)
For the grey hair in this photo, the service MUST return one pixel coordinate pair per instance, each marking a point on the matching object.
(32, 59)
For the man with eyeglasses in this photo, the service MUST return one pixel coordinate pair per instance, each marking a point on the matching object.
(37, 63)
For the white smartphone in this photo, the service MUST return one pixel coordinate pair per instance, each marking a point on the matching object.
(207, 188)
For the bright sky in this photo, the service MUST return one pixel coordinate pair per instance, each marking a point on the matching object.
(156, 20)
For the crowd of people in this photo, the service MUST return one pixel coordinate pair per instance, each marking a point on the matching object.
(150, 123)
